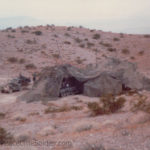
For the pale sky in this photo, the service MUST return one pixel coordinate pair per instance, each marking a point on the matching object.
(95, 13)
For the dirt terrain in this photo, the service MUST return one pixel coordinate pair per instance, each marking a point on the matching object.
(68, 123)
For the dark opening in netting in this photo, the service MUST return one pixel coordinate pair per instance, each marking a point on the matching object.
(70, 86)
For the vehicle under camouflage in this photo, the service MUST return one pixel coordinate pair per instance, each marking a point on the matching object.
(112, 77)
(16, 85)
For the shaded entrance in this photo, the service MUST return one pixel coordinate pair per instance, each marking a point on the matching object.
(70, 86)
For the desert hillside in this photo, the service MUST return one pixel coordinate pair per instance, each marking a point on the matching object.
(28, 49)
(74, 122)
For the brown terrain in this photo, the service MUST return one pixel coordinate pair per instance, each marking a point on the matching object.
(71, 124)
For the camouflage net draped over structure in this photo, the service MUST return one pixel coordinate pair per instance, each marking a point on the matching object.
(111, 77)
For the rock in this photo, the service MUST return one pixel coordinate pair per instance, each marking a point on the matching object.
(85, 126)
(50, 130)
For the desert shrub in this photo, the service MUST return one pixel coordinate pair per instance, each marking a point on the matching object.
(116, 39)
(55, 35)
(13, 30)
(141, 104)
(30, 41)
(82, 45)
(67, 42)
(96, 36)
(86, 39)
(89, 44)
(132, 57)
(125, 51)
(64, 108)
(2, 115)
(92, 30)
(111, 49)
(37, 32)
(11, 36)
(5, 137)
(78, 40)
(121, 35)
(30, 66)
(56, 55)
(79, 60)
(24, 31)
(67, 34)
(69, 28)
(109, 105)
(12, 59)
(105, 44)
(141, 53)
(93, 146)
(147, 35)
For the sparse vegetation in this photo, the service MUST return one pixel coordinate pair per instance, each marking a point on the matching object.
(78, 40)
(141, 53)
(82, 45)
(116, 39)
(112, 49)
(110, 104)
(56, 56)
(141, 104)
(89, 44)
(125, 51)
(93, 146)
(12, 59)
(67, 34)
(30, 66)
(147, 35)
(105, 44)
(11, 36)
(37, 33)
(96, 36)
(30, 41)
(121, 35)
(64, 108)
(67, 42)
(5, 137)
(2, 115)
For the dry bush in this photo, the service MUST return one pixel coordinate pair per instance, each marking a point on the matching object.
(93, 146)
(89, 44)
(22, 61)
(96, 36)
(141, 53)
(37, 33)
(30, 41)
(121, 35)
(79, 60)
(141, 104)
(125, 51)
(64, 108)
(78, 40)
(24, 31)
(5, 137)
(105, 44)
(67, 42)
(109, 105)
(147, 35)
(132, 57)
(12, 59)
(2, 115)
(116, 39)
(10, 36)
(56, 56)
(30, 66)
(82, 45)
(111, 49)
(67, 34)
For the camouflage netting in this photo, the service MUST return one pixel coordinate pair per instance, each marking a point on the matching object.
(112, 77)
